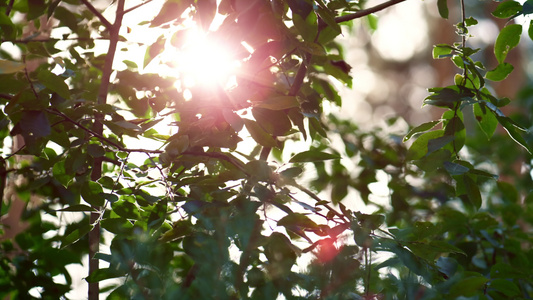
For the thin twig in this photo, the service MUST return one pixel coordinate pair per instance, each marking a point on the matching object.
(45, 40)
(6, 96)
(168, 186)
(312, 195)
(463, 20)
(221, 156)
(28, 78)
(366, 12)
(135, 7)
(93, 9)
(100, 136)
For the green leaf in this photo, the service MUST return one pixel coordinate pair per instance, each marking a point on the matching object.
(116, 225)
(508, 191)
(339, 189)
(95, 150)
(468, 287)
(92, 193)
(470, 21)
(313, 48)
(66, 18)
(472, 191)
(507, 9)
(274, 122)
(486, 120)
(372, 21)
(420, 128)
(500, 72)
(419, 148)
(153, 50)
(128, 125)
(171, 10)
(504, 286)
(78, 207)
(297, 220)
(278, 103)
(329, 18)
(372, 222)
(504, 270)
(291, 172)
(76, 235)
(54, 83)
(439, 142)
(444, 247)
(508, 38)
(260, 170)
(442, 5)
(442, 51)
(530, 30)
(34, 124)
(233, 119)
(36, 8)
(259, 134)
(313, 156)
(307, 28)
(8, 66)
(177, 146)
(527, 8)
(103, 274)
(338, 72)
(445, 97)
(513, 133)
(455, 169)
(125, 209)
(179, 229)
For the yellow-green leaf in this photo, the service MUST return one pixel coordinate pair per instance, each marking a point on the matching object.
(8, 66)
(508, 38)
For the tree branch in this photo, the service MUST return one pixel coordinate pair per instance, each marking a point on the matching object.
(9, 7)
(93, 9)
(366, 12)
(98, 127)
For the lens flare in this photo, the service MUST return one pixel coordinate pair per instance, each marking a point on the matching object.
(204, 61)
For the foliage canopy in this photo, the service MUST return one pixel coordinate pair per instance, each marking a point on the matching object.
(198, 187)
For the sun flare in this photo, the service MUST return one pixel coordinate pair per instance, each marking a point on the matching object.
(204, 61)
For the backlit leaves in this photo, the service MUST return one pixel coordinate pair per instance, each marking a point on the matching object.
(54, 83)
(171, 10)
(442, 5)
(508, 38)
(8, 67)
(507, 9)
(500, 72)
(176, 209)
(279, 103)
(259, 134)
(312, 156)
(77, 234)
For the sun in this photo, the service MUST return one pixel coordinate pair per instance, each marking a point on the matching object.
(203, 61)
